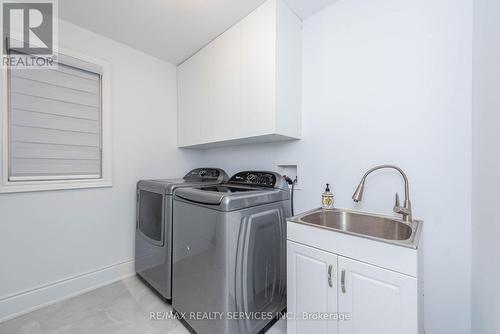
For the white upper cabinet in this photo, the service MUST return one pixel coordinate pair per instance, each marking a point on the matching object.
(245, 86)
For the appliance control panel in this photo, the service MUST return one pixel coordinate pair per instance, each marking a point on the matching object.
(255, 178)
(204, 174)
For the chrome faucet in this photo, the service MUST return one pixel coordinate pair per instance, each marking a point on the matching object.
(404, 210)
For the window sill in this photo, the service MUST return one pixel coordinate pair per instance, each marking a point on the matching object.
(34, 186)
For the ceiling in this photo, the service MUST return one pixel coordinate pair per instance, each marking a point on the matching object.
(172, 30)
(306, 8)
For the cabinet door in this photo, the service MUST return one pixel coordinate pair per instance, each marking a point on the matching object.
(225, 86)
(193, 80)
(258, 71)
(311, 289)
(378, 301)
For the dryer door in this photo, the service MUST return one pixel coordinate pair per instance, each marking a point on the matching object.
(150, 214)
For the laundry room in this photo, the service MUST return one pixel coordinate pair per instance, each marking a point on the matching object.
(249, 167)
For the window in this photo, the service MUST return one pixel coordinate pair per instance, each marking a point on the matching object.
(56, 126)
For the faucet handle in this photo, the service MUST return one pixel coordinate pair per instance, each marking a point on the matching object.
(403, 210)
(396, 201)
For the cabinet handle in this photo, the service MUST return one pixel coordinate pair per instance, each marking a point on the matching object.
(342, 281)
(330, 267)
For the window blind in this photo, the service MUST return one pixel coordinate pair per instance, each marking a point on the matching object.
(55, 122)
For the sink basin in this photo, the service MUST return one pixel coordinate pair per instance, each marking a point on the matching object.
(381, 228)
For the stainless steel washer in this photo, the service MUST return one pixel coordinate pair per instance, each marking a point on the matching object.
(153, 240)
(230, 254)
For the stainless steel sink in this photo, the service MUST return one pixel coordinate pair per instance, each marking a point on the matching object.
(376, 227)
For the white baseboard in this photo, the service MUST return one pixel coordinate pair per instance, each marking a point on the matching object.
(28, 301)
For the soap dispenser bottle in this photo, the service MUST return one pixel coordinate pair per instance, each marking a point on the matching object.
(327, 198)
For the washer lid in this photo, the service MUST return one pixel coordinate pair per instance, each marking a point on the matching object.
(230, 198)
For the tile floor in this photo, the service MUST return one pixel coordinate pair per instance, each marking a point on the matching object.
(118, 308)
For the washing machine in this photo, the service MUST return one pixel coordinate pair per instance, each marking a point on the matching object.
(229, 272)
(154, 221)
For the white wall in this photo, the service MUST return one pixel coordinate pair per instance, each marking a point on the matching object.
(389, 81)
(486, 167)
(69, 236)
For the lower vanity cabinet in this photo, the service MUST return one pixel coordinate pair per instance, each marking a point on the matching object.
(379, 301)
(373, 300)
(311, 288)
